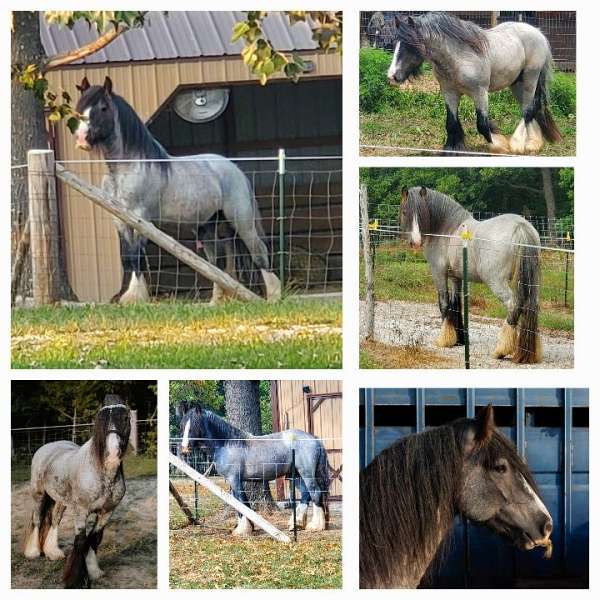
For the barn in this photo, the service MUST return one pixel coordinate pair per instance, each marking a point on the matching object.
(550, 428)
(186, 80)
(314, 406)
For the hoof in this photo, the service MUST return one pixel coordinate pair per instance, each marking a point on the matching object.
(243, 529)
(136, 292)
(507, 342)
(272, 286)
(54, 553)
(447, 337)
(318, 520)
(301, 514)
(499, 144)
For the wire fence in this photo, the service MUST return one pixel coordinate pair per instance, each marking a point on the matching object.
(405, 314)
(377, 29)
(300, 205)
(25, 441)
(191, 503)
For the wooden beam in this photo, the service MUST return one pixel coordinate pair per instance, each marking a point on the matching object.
(368, 263)
(229, 499)
(233, 288)
(182, 505)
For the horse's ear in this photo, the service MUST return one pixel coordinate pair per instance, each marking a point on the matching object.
(107, 86)
(397, 21)
(484, 425)
(410, 21)
(85, 84)
(423, 192)
(404, 195)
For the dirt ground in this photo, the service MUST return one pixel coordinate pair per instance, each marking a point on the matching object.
(414, 325)
(127, 554)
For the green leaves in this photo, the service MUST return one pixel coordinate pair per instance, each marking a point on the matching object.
(103, 19)
(265, 61)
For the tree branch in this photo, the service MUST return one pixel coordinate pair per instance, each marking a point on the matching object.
(54, 62)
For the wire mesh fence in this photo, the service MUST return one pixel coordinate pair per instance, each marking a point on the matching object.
(377, 29)
(407, 319)
(299, 211)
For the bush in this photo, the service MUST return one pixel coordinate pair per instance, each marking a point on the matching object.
(563, 94)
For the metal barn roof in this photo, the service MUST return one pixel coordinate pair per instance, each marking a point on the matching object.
(177, 34)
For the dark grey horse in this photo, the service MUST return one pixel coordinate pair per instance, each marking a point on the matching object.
(411, 493)
(89, 481)
(504, 254)
(468, 60)
(240, 456)
(190, 191)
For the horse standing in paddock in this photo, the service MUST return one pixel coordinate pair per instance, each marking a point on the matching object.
(468, 60)
(412, 491)
(88, 480)
(191, 191)
(504, 254)
(240, 456)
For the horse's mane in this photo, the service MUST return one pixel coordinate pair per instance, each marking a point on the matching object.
(408, 500)
(437, 26)
(101, 424)
(219, 429)
(438, 213)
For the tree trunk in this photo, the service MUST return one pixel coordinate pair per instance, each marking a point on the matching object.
(550, 203)
(28, 131)
(242, 404)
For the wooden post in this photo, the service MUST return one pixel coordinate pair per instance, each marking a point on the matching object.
(229, 499)
(182, 505)
(185, 255)
(43, 226)
(133, 435)
(494, 19)
(368, 263)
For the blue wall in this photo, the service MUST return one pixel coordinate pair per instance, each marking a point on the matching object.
(549, 428)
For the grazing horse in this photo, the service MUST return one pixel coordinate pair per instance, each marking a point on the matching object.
(412, 491)
(191, 191)
(504, 254)
(240, 456)
(468, 60)
(88, 480)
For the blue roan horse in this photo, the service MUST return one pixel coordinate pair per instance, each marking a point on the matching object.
(240, 456)
(468, 60)
(504, 254)
(192, 192)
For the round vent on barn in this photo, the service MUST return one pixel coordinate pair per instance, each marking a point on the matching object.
(201, 105)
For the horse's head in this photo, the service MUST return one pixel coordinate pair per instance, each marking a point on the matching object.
(97, 114)
(191, 429)
(414, 215)
(409, 51)
(498, 490)
(112, 428)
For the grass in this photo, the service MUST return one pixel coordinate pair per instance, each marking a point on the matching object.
(134, 466)
(401, 275)
(208, 557)
(413, 116)
(375, 355)
(294, 333)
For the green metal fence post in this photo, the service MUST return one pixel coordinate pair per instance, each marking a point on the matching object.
(566, 278)
(293, 494)
(281, 216)
(465, 253)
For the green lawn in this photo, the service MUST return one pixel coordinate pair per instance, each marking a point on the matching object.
(294, 333)
(402, 275)
(414, 116)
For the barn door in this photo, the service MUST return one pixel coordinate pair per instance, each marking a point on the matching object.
(324, 412)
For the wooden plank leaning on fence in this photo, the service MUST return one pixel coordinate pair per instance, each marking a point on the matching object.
(368, 263)
(182, 505)
(229, 499)
(42, 194)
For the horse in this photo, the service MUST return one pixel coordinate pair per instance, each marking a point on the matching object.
(468, 60)
(240, 456)
(504, 254)
(412, 491)
(86, 479)
(159, 187)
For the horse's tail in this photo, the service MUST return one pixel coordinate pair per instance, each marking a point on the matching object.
(526, 282)
(540, 108)
(323, 480)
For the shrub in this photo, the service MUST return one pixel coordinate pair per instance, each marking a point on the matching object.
(563, 95)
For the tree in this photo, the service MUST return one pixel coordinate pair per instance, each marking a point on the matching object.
(242, 404)
(550, 202)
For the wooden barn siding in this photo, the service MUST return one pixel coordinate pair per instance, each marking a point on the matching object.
(327, 419)
(90, 237)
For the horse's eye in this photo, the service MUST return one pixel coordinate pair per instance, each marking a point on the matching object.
(104, 108)
(500, 468)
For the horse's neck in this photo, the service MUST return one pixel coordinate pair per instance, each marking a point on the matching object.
(111, 464)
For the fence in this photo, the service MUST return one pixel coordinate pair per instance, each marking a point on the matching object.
(376, 29)
(550, 428)
(192, 504)
(299, 198)
(26, 440)
(399, 307)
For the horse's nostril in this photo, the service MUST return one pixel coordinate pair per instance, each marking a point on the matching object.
(548, 527)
